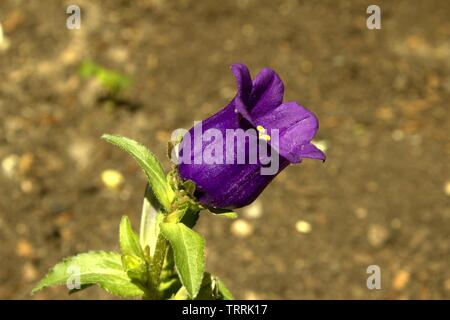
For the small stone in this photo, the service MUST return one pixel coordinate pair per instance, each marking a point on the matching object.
(4, 42)
(24, 248)
(398, 135)
(119, 55)
(384, 113)
(63, 218)
(361, 213)
(377, 235)
(401, 279)
(25, 163)
(447, 188)
(241, 228)
(447, 284)
(9, 165)
(254, 211)
(81, 152)
(303, 226)
(251, 295)
(26, 186)
(69, 56)
(29, 272)
(112, 179)
(66, 234)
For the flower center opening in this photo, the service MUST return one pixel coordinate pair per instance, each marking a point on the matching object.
(262, 133)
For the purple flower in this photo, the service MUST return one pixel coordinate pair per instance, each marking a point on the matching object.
(258, 105)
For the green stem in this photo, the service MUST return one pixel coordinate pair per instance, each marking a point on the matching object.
(158, 260)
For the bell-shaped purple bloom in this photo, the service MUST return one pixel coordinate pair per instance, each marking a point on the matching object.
(257, 105)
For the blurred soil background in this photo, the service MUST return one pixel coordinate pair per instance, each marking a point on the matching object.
(382, 97)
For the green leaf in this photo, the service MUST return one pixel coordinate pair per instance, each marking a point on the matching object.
(189, 186)
(213, 289)
(136, 269)
(206, 289)
(188, 248)
(151, 166)
(96, 267)
(223, 290)
(129, 241)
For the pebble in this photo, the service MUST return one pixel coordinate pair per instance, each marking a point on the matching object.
(112, 179)
(81, 152)
(9, 165)
(25, 163)
(447, 188)
(361, 213)
(251, 295)
(241, 228)
(385, 113)
(26, 186)
(397, 135)
(254, 211)
(24, 248)
(447, 284)
(119, 55)
(377, 235)
(29, 272)
(4, 42)
(63, 218)
(303, 226)
(401, 279)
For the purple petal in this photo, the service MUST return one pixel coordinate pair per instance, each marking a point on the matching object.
(267, 93)
(244, 89)
(253, 100)
(244, 81)
(310, 151)
(225, 185)
(296, 127)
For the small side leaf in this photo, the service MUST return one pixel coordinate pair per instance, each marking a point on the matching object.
(150, 164)
(223, 291)
(213, 289)
(223, 213)
(129, 241)
(188, 247)
(96, 267)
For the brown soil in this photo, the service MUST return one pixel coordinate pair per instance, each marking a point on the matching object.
(382, 197)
